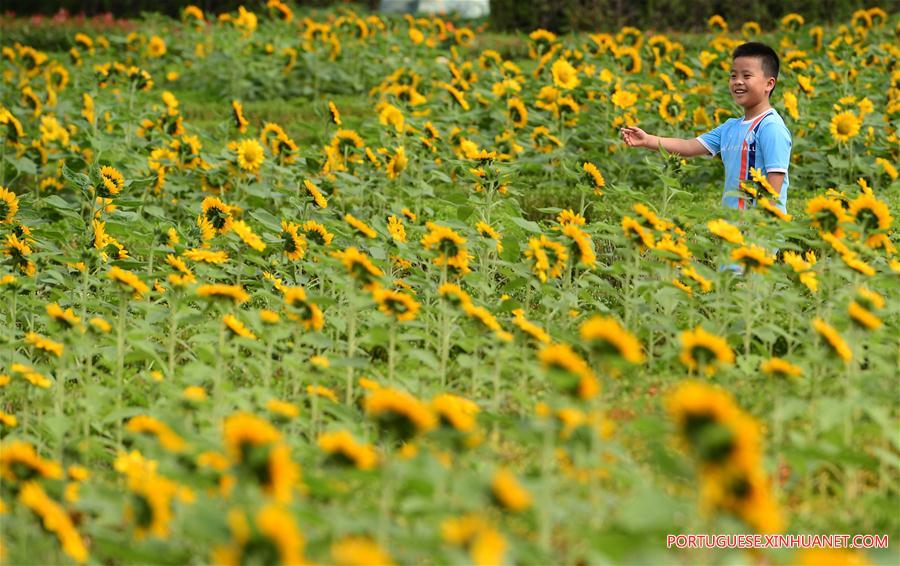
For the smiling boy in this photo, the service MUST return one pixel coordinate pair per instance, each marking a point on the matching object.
(759, 139)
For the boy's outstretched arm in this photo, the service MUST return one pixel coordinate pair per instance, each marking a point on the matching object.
(636, 137)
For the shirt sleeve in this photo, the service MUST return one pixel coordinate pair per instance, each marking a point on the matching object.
(775, 145)
(712, 140)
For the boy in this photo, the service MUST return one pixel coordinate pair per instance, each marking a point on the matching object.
(759, 139)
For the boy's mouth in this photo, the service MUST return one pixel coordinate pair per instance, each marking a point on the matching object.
(739, 91)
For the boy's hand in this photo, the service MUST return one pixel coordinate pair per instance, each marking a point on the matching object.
(635, 137)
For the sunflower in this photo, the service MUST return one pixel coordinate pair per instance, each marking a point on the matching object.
(844, 126)
(671, 108)
(217, 214)
(518, 114)
(582, 245)
(283, 409)
(237, 327)
(206, 256)
(703, 351)
(508, 492)
(690, 274)
(595, 177)
(66, 317)
(449, 245)
(623, 99)
(889, 169)
(398, 413)
(780, 367)
(863, 316)
(301, 310)
(853, 262)
(711, 426)
(9, 205)
(111, 182)
(607, 337)
(128, 280)
(343, 449)
(31, 376)
(317, 232)
(44, 343)
(168, 438)
(487, 231)
(294, 243)
(243, 431)
(564, 75)
(396, 304)
(630, 58)
(827, 214)
(726, 231)
(315, 193)
(773, 210)
(870, 213)
(833, 339)
(248, 236)
(548, 258)
(20, 462)
(397, 163)
(454, 294)
(235, 293)
(633, 230)
(359, 551)
(569, 371)
(803, 268)
(55, 519)
(250, 154)
(456, 94)
(456, 412)
(237, 113)
(753, 257)
(359, 266)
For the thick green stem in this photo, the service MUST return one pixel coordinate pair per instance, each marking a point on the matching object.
(120, 362)
(351, 350)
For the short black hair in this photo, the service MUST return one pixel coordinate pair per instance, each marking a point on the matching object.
(767, 56)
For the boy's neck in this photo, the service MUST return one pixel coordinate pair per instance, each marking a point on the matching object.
(754, 111)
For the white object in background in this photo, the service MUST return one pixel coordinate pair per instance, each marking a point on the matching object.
(464, 8)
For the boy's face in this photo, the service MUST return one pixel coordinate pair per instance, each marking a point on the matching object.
(749, 84)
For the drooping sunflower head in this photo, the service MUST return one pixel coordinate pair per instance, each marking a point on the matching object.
(237, 114)
(833, 339)
(595, 177)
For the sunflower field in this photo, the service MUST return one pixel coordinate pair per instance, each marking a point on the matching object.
(440, 313)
